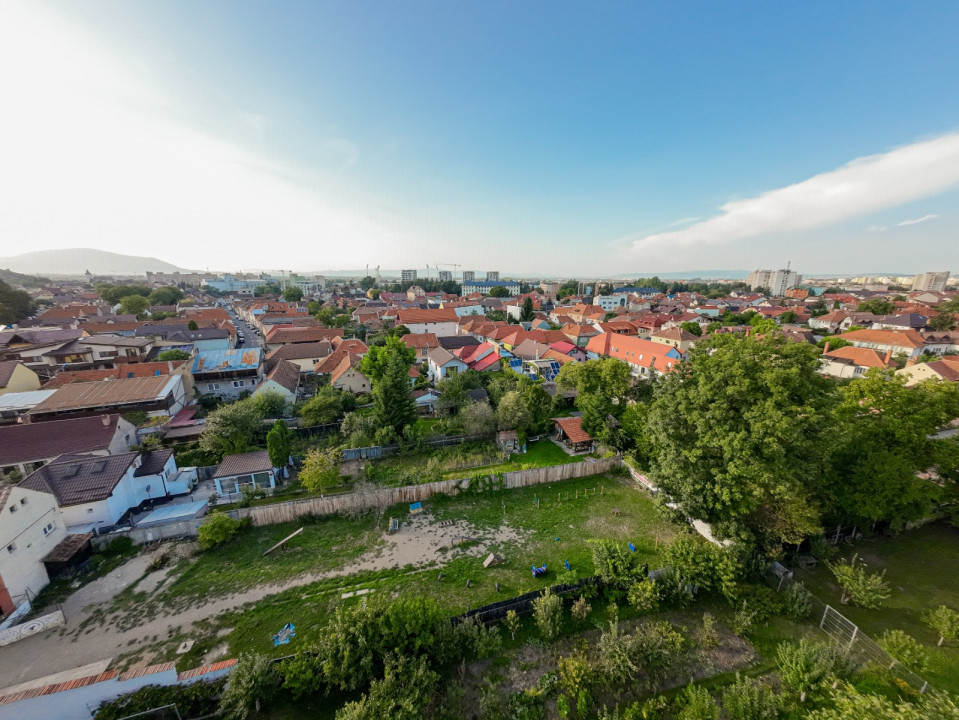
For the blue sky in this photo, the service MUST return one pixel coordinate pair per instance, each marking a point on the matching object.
(564, 138)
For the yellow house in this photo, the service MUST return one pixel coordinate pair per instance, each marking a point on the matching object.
(17, 377)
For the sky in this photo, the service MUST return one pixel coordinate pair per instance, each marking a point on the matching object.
(562, 138)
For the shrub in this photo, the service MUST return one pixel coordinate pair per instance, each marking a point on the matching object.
(196, 700)
(708, 635)
(797, 602)
(945, 621)
(674, 590)
(483, 640)
(512, 623)
(118, 547)
(804, 666)
(644, 596)
(615, 563)
(217, 529)
(548, 613)
(750, 699)
(581, 609)
(868, 590)
(743, 619)
(696, 704)
(904, 648)
(254, 679)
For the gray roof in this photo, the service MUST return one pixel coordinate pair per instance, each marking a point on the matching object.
(78, 479)
(38, 441)
(152, 462)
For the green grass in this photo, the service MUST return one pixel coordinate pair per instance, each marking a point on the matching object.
(325, 544)
(542, 453)
(922, 568)
(308, 606)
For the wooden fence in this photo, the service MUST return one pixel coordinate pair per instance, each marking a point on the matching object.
(384, 497)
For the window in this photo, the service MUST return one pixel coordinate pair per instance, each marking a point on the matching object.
(23, 501)
(238, 383)
(48, 529)
(214, 386)
(13, 508)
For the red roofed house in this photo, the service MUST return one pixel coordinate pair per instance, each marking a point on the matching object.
(643, 356)
(905, 342)
(851, 361)
(441, 323)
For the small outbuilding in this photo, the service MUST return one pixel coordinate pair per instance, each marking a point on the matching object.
(245, 470)
(569, 431)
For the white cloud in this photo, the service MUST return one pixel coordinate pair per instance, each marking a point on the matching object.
(916, 221)
(863, 186)
(683, 221)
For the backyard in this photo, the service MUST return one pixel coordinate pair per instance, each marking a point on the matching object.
(922, 568)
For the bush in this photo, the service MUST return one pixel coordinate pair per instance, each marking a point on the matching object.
(695, 704)
(196, 700)
(904, 648)
(255, 679)
(119, 547)
(750, 699)
(644, 596)
(674, 590)
(708, 635)
(868, 590)
(548, 613)
(217, 529)
(797, 602)
(581, 609)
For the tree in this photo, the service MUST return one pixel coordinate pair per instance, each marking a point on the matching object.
(168, 295)
(548, 614)
(270, 288)
(113, 294)
(847, 703)
(133, 304)
(512, 623)
(615, 564)
(279, 444)
(498, 292)
(737, 434)
(253, 680)
(695, 703)
(580, 609)
(835, 342)
(603, 387)
(945, 621)
(943, 321)
(407, 689)
(905, 648)
(217, 529)
(231, 429)
(868, 590)
(882, 440)
(693, 328)
(320, 471)
(512, 412)
(526, 314)
(876, 306)
(293, 294)
(268, 404)
(478, 419)
(787, 318)
(367, 282)
(191, 326)
(173, 355)
(327, 406)
(392, 405)
(376, 360)
(15, 305)
(803, 667)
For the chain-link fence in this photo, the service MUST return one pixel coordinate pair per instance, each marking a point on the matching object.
(845, 633)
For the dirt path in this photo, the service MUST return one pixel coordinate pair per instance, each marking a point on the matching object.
(88, 639)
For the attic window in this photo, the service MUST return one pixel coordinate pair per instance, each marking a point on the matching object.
(23, 501)
(99, 467)
(13, 508)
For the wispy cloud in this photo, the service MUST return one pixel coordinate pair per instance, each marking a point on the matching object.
(683, 221)
(863, 186)
(916, 221)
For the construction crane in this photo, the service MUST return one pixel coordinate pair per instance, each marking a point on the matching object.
(455, 266)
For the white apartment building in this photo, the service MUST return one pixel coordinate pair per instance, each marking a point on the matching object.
(778, 281)
(469, 276)
(407, 275)
(492, 276)
(931, 281)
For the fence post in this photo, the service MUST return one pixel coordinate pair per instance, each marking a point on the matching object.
(823, 621)
(852, 640)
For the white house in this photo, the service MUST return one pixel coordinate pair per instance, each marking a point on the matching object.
(30, 528)
(94, 491)
(442, 363)
(442, 323)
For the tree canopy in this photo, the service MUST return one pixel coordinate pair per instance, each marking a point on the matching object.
(377, 359)
(499, 292)
(293, 294)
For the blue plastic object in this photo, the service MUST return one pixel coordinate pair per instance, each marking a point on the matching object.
(632, 547)
(285, 635)
(537, 571)
(566, 563)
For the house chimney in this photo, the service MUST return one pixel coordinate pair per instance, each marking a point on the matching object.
(105, 419)
(888, 357)
(825, 349)
(910, 361)
(748, 330)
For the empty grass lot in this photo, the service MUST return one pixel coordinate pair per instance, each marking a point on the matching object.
(922, 568)
(575, 522)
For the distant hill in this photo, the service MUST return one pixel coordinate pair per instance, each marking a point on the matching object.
(76, 261)
(18, 280)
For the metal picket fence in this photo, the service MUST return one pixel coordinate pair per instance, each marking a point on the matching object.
(847, 635)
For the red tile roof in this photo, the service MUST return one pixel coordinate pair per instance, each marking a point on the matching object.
(895, 338)
(573, 429)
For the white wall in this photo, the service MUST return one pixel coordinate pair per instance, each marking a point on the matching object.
(22, 568)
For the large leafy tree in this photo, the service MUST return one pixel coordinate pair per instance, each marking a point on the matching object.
(133, 304)
(327, 406)
(320, 471)
(737, 435)
(392, 405)
(15, 304)
(877, 306)
(376, 360)
(231, 429)
(168, 295)
(526, 313)
(603, 388)
(882, 441)
(279, 444)
(293, 294)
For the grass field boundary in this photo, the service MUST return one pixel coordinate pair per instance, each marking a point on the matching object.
(384, 497)
(849, 636)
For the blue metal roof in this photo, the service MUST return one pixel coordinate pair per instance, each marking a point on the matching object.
(221, 360)
(490, 283)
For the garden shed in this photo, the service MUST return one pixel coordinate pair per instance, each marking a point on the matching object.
(244, 470)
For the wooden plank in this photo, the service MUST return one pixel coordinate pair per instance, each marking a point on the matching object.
(288, 537)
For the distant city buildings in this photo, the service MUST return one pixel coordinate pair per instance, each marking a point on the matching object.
(446, 276)
(931, 281)
(777, 281)
(492, 276)
(477, 286)
(468, 276)
(408, 275)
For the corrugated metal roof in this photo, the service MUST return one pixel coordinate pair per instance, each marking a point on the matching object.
(76, 396)
(224, 360)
